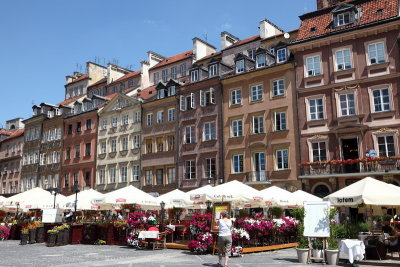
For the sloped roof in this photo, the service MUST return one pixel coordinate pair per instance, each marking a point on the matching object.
(320, 21)
(5, 132)
(68, 101)
(173, 59)
(104, 80)
(244, 41)
(80, 78)
(129, 75)
(147, 93)
(14, 134)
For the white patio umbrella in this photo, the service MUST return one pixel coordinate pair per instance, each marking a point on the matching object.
(35, 198)
(131, 195)
(368, 191)
(237, 192)
(174, 198)
(301, 196)
(87, 200)
(2, 202)
(203, 193)
(276, 196)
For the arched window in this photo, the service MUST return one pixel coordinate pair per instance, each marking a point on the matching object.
(321, 190)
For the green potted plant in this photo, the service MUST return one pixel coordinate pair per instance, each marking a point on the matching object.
(332, 253)
(32, 233)
(60, 235)
(24, 236)
(66, 228)
(302, 248)
(51, 237)
(39, 232)
(318, 251)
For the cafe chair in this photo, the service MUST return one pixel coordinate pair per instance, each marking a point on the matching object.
(160, 240)
(181, 232)
(392, 246)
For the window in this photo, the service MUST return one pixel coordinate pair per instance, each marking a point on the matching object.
(207, 97)
(113, 146)
(125, 119)
(190, 134)
(102, 176)
(251, 53)
(78, 126)
(171, 175)
(194, 75)
(280, 121)
(190, 169)
(278, 87)
(343, 19)
(381, 99)
(173, 73)
(240, 66)
(149, 177)
(124, 144)
(149, 120)
(386, 146)
(69, 129)
(114, 122)
(281, 55)
(187, 102)
(376, 53)
(237, 163)
(256, 93)
(316, 109)
(347, 104)
(124, 174)
(213, 70)
(209, 131)
(160, 93)
(319, 151)
(149, 146)
(210, 168)
(237, 128)
(135, 173)
(156, 77)
(343, 59)
(103, 147)
(77, 151)
(183, 70)
(68, 153)
(236, 97)
(261, 61)
(160, 116)
(171, 142)
(112, 173)
(88, 148)
(104, 124)
(258, 124)
(66, 180)
(171, 114)
(282, 159)
(171, 90)
(88, 124)
(75, 178)
(160, 144)
(313, 66)
(164, 74)
(136, 141)
(137, 116)
(159, 176)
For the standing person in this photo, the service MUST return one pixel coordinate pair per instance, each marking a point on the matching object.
(224, 238)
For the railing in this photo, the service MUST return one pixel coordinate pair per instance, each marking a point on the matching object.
(350, 166)
(257, 177)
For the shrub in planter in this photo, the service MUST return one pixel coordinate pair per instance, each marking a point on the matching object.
(4, 232)
(66, 234)
(51, 237)
(32, 234)
(24, 236)
(60, 236)
(39, 232)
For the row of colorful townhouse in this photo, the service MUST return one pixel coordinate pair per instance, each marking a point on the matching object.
(315, 108)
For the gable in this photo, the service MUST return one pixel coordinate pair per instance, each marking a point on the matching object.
(120, 101)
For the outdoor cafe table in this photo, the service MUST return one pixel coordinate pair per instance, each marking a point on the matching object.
(353, 248)
(148, 236)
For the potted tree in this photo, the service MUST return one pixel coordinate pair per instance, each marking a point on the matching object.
(52, 236)
(302, 248)
(317, 249)
(24, 236)
(332, 253)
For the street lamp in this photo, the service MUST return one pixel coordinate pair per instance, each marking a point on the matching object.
(162, 205)
(208, 204)
(55, 191)
(76, 188)
(16, 215)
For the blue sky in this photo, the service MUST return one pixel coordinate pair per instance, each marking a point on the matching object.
(43, 41)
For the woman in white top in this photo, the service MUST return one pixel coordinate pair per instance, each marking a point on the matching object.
(224, 238)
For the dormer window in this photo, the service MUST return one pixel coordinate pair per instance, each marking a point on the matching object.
(160, 94)
(260, 61)
(344, 14)
(281, 55)
(240, 66)
(194, 75)
(213, 70)
(343, 19)
(50, 114)
(171, 90)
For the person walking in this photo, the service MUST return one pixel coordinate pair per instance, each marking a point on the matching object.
(224, 238)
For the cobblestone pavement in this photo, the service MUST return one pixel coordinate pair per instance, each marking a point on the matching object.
(12, 254)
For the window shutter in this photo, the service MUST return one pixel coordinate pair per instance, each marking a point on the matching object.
(212, 96)
(202, 99)
(193, 105)
(181, 103)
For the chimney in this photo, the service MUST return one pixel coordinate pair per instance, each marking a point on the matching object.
(321, 4)
(201, 48)
(154, 58)
(69, 79)
(227, 39)
(267, 29)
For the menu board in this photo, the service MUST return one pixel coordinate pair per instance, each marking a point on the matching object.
(218, 208)
(316, 219)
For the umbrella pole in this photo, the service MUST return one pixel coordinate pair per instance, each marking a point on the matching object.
(372, 218)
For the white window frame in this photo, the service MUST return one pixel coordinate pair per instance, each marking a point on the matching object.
(135, 173)
(208, 170)
(136, 141)
(113, 146)
(240, 160)
(194, 75)
(256, 92)
(190, 175)
(190, 134)
(347, 102)
(282, 165)
(149, 119)
(319, 150)
(372, 98)
(262, 63)
(237, 128)
(337, 57)
(148, 177)
(171, 114)
(112, 175)
(376, 59)
(311, 72)
(279, 114)
(114, 122)
(125, 119)
(236, 96)
(258, 124)
(385, 136)
(209, 131)
(213, 70)
(171, 175)
(160, 116)
(124, 143)
(278, 87)
(239, 66)
(123, 174)
(281, 57)
(308, 107)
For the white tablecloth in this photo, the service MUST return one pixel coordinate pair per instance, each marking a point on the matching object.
(172, 227)
(148, 234)
(355, 249)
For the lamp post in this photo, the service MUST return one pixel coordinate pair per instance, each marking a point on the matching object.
(208, 204)
(76, 188)
(16, 214)
(55, 191)
(162, 205)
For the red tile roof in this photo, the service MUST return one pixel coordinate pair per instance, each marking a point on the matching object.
(321, 20)
(5, 132)
(173, 59)
(68, 101)
(147, 93)
(80, 78)
(210, 56)
(104, 80)
(244, 41)
(14, 134)
(129, 75)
